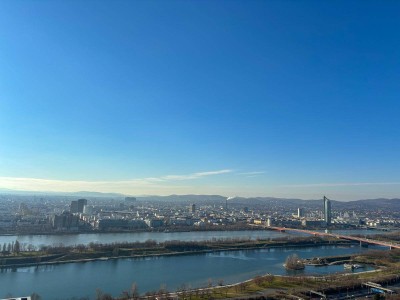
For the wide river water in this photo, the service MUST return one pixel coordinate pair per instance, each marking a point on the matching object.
(66, 281)
(70, 280)
(108, 238)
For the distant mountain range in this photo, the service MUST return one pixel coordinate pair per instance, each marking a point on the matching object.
(72, 194)
(192, 198)
(380, 203)
(292, 204)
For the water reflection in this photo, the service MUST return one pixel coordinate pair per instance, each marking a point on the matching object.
(149, 273)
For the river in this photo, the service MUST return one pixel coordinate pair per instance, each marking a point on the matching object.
(113, 276)
(108, 238)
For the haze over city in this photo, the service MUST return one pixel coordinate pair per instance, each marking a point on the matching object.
(236, 98)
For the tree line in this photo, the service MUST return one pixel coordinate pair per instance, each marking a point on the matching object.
(15, 247)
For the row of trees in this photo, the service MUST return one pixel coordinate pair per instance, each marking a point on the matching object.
(12, 248)
(184, 292)
(16, 247)
(174, 245)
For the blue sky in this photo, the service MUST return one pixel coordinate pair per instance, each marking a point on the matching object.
(249, 98)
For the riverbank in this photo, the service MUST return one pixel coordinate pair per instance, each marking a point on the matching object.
(242, 227)
(270, 286)
(143, 250)
(337, 286)
(172, 272)
(287, 287)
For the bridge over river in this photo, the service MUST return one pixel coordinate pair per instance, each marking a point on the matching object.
(391, 245)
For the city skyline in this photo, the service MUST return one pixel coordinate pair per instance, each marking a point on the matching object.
(237, 98)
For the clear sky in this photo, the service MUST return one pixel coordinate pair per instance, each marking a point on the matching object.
(248, 98)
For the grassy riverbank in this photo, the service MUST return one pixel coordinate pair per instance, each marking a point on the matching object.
(82, 253)
(298, 287)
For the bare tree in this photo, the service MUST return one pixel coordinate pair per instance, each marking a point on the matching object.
(99, 294)
(134, 291)
(242, 286)
(80, 248)
(269, 278)
(258, 280)
(17, 247)
(209, 282)
(162, 291)
(107, 297)
(125, 295)
(30, 247)
(115, 251)
(35, 296)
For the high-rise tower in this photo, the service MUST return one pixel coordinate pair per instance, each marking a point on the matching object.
(300, 212)
(78, 205)
(327, 211)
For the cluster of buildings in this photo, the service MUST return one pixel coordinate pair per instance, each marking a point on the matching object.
(323, 219)
(24, 214)
(18, 216)
(132, 215)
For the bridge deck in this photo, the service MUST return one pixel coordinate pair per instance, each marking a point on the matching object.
(318, 293)
(378, 286)
(339, 236)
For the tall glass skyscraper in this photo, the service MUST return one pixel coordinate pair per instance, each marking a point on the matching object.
(327, 211)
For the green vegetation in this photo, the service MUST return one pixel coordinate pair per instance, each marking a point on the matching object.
(288, 287)
(93, 251)
(281, 287)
